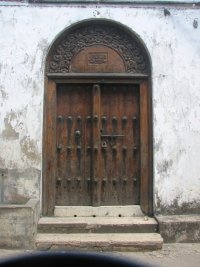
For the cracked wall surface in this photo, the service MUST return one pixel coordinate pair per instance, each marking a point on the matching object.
(173, 42)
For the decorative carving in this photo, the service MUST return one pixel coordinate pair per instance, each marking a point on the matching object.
(97, 58)
(110, 36)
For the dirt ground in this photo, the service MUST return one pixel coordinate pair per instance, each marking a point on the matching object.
(171, 255)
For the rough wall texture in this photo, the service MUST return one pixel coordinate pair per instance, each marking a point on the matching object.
(18, 224)
(179, 228)
(173, 41)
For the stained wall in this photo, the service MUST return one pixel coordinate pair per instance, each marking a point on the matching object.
(173, 42)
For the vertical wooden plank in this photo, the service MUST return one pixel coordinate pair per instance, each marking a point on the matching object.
(49, 149)
(74, 159)
(120, 104)
(145, 148)
(96, 112)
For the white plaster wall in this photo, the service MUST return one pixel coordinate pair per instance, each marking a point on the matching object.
(27, 31)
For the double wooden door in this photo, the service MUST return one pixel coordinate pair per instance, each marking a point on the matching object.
(98, 144)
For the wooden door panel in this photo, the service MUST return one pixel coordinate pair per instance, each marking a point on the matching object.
(98, 145)
(120, 144)
(73, 144)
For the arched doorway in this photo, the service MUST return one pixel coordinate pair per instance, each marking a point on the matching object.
(97, 119)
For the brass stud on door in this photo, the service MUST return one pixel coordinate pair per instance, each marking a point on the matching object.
(114, 181)
(103, 119)
(60, 118)
(79, 118)
(78, 148)
(134, 118)
(124, 119)
(134, 150)
(88, 118)
(77, 134)
(58, 181)
(69, 119)
(59, 148)
(114, 119)
(95, 118)
(104, 180)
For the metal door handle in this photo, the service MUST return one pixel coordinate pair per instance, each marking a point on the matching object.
(77, 133)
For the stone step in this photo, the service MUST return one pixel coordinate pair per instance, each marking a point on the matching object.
(97, 225)
(100, 242)
(101, 211)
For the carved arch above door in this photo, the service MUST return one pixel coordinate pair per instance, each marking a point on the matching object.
(81, 40)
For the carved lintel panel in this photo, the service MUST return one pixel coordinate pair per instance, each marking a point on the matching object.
(131, 55)
(97, 58)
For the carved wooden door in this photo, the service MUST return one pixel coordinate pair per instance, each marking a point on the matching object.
(98, 151)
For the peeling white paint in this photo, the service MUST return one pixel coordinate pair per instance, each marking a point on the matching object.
(174, 46)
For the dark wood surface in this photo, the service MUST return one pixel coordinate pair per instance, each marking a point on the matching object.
(100, 166)
(121, 160)
(74, 137)
(49, 149)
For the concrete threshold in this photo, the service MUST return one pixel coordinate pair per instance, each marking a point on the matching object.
(102, 211)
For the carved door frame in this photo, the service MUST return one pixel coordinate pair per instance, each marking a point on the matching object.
(58, 70)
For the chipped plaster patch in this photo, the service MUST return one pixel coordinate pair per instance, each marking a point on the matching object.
(12, 125)
(164, 166)
(20, 185)
(29, 149)
(9, 132)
